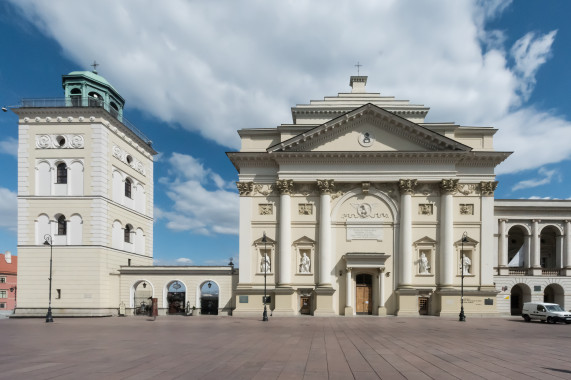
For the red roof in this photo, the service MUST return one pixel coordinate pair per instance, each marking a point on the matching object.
(6, 268)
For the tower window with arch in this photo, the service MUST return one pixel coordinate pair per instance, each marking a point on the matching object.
(75, 97)
(61, 225)
(95, 100)
(61, 171)
(127, 233)
(128, 188)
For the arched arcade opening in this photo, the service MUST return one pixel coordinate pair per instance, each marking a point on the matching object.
(520, 294)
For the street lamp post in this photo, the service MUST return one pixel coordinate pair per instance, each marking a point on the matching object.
(462, 316)
(49, 241)
(265, 241)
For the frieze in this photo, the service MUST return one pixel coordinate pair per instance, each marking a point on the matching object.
(467, 189)
(264, 189)
(304, 189)
(66, 141)
(128, 159)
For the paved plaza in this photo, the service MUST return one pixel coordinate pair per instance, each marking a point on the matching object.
(284, 348)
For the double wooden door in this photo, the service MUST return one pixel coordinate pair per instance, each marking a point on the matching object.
(364, 299)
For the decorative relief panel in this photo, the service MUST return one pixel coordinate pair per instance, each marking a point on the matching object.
(305, 209)
(266, 209)
(466, 209)
(128, 159)
(467, 189)
(67, 141)
(425, 209)
(264, 189)
(366, 211)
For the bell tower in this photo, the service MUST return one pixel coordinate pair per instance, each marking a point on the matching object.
(85, 187)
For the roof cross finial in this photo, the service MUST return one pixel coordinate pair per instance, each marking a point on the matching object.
(95, 64)
(358, 66)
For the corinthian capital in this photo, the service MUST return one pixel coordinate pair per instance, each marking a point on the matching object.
(245, 188)
(406, 186)
(325, 186)
(488, 188)
(285, 186)
(449, 186)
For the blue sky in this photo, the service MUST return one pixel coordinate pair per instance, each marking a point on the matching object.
(193, 73)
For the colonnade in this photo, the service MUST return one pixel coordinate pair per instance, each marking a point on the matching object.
(532, 246)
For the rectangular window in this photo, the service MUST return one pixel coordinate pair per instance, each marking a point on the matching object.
(58, 295)
(2, 305)
(2, 280)
(3, 294)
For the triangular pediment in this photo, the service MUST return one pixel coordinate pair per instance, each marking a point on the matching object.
(425, 241)
(268, 241)
(369, 128)
(469, 242)
(304, 241)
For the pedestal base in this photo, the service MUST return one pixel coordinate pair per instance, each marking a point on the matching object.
(324, 302)
(382, 311)
(349, 311)
(407, 301)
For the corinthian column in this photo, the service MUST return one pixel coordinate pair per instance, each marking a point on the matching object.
(406, 187)
(245, 237)
(567, 248)
(325, 188)
(284, 268)
(447, 189)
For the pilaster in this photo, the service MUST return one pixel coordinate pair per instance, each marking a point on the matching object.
(447, 188)
(284, 269)
(406, 187)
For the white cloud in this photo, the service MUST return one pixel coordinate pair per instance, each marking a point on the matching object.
(8, 209)
(529, 53)
(546, 177)
(9, 146)
(196, 208)
(184, 261)
(213, 68)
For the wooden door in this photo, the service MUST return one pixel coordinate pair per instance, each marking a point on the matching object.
(305, 305)
(364, 299)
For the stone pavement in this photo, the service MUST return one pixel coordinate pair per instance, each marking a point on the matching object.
(284, 348)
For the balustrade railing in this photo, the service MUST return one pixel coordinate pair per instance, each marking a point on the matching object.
(77, 101)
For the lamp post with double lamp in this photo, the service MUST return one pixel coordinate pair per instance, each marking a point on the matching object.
(462, 317)
(49, 241)
(265, 241)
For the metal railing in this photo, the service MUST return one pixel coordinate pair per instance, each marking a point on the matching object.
(77, 101)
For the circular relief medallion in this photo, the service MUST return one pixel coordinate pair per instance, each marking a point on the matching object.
(44, 142)
(366, 139)
(77, 141)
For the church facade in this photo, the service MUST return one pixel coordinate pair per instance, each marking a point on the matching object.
(361, 207)
(358, 206)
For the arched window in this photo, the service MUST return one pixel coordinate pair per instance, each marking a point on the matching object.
(114, 110)
(128, 186)
(61, 225)
(95, 100)
(61, 173)
(127, 236)
(76, 97)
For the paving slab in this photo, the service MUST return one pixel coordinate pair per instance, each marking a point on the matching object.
(283, 348)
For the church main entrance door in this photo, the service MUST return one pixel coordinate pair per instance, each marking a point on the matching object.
(364, 294)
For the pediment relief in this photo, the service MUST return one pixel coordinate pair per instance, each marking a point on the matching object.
(470, 243)
(369, 128)
(304, 241)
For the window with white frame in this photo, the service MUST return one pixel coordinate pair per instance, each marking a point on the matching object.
(3, 294)
(2, 280)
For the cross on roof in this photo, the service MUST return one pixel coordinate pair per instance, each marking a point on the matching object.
(95, 64)
(358, 66)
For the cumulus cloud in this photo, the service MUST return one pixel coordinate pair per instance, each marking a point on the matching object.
(546, 176)
(9, 146)
(8, 209)
(201, 204)
(184, 261)
(212, 68)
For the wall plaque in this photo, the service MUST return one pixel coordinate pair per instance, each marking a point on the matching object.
(364, 233)
(243, 299)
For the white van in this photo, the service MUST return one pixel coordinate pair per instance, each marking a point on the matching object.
(549, 312)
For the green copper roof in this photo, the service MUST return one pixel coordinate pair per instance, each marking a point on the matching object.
(94, 77)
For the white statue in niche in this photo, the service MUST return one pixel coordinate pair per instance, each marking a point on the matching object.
(423, 266)
(265, 265)
(467, 263)
(305, 264)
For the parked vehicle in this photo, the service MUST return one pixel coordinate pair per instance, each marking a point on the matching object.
(545, 312)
